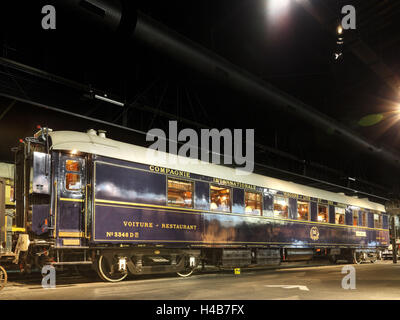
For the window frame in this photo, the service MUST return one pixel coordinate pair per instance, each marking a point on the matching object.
(353, 214)
(364, 218)
(261, 202)
(327, 212)
(182, 180)
(380, 219)
(343, 214)
(79, 173)
(230, 197)
(273, 206)
(308, 211)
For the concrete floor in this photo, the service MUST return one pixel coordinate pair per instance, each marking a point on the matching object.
(373, 281)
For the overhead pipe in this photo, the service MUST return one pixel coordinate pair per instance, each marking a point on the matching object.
(112, 15)
(178, 47)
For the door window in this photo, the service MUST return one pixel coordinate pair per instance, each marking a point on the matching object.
(73, 175)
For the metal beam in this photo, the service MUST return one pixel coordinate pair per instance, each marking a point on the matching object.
(8, 108)
(358, 47)
(202, 60)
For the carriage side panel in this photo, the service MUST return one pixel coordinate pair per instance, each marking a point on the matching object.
(130, 206)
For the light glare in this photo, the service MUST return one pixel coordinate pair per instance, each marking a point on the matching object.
(277, 7)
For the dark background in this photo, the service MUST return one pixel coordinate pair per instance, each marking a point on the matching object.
(293, 51)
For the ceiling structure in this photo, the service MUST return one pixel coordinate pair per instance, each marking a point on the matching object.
(291, 48)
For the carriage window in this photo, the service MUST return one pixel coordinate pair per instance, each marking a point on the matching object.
(363, 218)
(355, 218)
(72, 165)
(220, 198)
(339, 215)
(302, 210)
(252, 202)
(180, 193)
(322, 213)
(377, 221)
(72, 181)
(281, 206)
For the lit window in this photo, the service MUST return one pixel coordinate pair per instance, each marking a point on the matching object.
(281, 206)
(72, 176)
(363, 218)
(302, 210)
(377, 221)
(220, 198)
(253, 202)
(322, 213)
(339, 215)
(72, 165)
(180, 193)
(355, 218)
(72, 181)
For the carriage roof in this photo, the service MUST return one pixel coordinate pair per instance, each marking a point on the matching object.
(91, 143)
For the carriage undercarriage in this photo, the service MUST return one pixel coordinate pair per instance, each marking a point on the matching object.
(115, 264)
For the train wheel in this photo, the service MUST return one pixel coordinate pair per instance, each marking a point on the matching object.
(188, 270)
(3, 277)
(106, 273)
(357, 257)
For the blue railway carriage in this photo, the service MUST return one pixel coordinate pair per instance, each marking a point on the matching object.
(85, 200)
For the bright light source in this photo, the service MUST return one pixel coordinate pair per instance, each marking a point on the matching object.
(109, 100)
(337, 55)
(339, 29)
(277, 7)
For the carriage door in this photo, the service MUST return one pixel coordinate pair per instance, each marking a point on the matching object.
(71, 200)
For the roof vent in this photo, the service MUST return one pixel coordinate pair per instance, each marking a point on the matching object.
(102, 133)
(92, 132)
